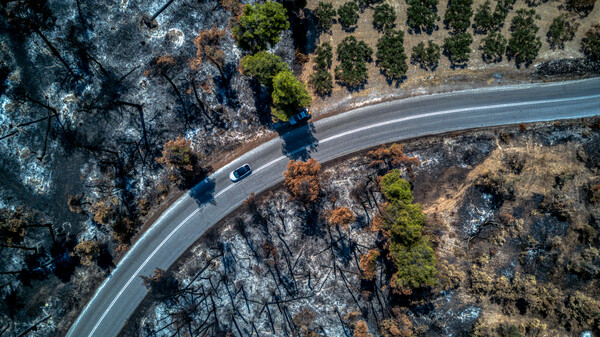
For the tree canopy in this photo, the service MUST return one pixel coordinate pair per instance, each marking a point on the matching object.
(458, 15)
(263, 66)
(353, 55)
(457, 47)
(390, 54)
(590, 44)
(321, 80)
(560, 31)
(384, 17)
(289, 94)
(260, 26)
(302, 180)
(422, 14)
(493, 47)
(348, 14)
(409, 249)
(325, 14)
(524, 44)
(428, 56)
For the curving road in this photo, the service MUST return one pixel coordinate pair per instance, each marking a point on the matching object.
(187, 219)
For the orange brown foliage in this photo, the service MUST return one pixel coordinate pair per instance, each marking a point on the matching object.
(361, 330)
(398, 327)
(388, 157)
(208, 48)
(178, 157)
(367, 264)
(87, 251)
(302, 180)
(341, 216)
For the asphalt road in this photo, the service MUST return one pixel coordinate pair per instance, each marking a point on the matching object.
(187, 219)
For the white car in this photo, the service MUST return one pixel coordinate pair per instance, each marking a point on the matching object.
(304, 114)
(240, 173)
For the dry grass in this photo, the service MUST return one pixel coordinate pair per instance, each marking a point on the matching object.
(476, 74)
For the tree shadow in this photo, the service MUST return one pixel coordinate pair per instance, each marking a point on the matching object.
(262, 102)
(298, 143)
(203, 192)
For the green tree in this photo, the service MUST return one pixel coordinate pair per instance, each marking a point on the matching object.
(263, 66)
(524, 44)
(325, 14)
(395, 188)
(353, 55)
(289, 94)
(483, 21)
(428, 56)
(590, 44)
(458, 15)
(324, 55)
(390, 54)
(402, 223)
(560, 31)
(367, 3)
(493, 47)
(348, 14)
(261, 25)
(422, 14)
(321, 82)
(384, 17)
(457, 47)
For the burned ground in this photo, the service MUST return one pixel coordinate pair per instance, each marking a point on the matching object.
(512, 213)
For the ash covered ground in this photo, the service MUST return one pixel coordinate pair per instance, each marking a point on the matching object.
(512, 214)
(91, 91)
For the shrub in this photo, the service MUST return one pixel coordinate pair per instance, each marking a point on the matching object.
(341, 216)
(523, 44)
(348, 14)
(428, 56)
(263, 66)
(422, 14)
(181, 161)
(261, 25)
(390, 54)
(325, 14)
(483, 21)
(321, 82)
(458, 15)
(367, 3)
(367, 264)
(457, 47)
(385, 158)
(87, 251)
(493, 47)
(394, 187)
(302, 180)
(289, 94)
(561, 30)
(590, 44)
(384, 17)
(324, 56)
(353, 55)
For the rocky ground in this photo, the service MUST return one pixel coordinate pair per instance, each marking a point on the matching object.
(512, 213)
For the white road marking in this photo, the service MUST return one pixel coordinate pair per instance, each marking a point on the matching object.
(346, 133)
(140, 268)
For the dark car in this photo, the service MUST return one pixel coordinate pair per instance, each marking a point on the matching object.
(240, 173)
(302, 115)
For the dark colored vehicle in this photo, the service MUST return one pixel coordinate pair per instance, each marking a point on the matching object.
(240, 173)
(304, 114)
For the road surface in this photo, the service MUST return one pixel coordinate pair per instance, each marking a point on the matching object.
(188, 218)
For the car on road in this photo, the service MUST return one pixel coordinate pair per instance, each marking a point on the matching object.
(240, 173)
(302, 115)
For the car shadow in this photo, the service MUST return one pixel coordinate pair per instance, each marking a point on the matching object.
(203, 192)
(298, 142)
